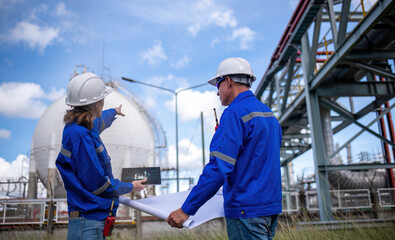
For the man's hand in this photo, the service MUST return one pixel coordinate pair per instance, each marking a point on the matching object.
(119, 110)
(138, 185)
(177, 218)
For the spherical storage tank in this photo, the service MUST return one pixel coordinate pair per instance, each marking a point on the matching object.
(130, 140)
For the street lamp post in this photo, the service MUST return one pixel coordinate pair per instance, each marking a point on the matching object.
(176, 106)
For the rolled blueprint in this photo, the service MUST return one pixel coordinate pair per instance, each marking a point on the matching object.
(161, 206)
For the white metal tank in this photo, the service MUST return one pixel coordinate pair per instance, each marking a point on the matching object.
(130, 140)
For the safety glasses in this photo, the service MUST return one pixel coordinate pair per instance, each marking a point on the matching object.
(219, 81)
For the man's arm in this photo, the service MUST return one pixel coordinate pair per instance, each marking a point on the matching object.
(177, 218)
(224, 149)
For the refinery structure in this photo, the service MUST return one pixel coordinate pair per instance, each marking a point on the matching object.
(329, 56)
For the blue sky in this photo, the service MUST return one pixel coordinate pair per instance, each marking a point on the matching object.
(174, 44)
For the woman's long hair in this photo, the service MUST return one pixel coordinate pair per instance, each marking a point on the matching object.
(81, 115)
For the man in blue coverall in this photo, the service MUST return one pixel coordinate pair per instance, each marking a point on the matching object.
(244, 159)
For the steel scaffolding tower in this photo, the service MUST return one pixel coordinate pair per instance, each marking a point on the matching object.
(332, 49)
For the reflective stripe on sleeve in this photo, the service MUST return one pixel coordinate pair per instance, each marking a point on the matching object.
(100, 149)
(103, 188)
(103, 125)
(223, 157)
(65, 152)
(250, 116)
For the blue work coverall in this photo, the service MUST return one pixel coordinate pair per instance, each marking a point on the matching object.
(245, 160)
(85, 167)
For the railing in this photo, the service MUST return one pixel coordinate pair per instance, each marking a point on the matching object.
(342, 199)
(386, 197)
(20, 211)
(290, 202)
(62, 214)
(35, 211)
(325, 49)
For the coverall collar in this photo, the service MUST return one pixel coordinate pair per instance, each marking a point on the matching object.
(242, 96)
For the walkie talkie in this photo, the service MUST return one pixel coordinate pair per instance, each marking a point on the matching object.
(109, 224)
(216, 120)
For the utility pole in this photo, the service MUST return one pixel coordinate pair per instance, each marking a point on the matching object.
(176, 117)
(201, 121)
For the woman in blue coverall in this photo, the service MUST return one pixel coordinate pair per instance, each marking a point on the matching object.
(83, 161)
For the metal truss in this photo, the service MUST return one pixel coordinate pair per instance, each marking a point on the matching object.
(331, 49)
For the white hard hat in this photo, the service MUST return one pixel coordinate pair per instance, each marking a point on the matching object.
(234, 66)
(85, 89)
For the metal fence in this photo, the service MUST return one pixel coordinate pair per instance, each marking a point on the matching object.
(61, 214)
(35, 211)
(342, 199)
(386, 197)
(15, 212)
(290, 202)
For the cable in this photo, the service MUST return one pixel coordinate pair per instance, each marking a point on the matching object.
(193, 134)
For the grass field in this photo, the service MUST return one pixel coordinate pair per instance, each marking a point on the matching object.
(284, 231)
(287, 232)
(341, 234)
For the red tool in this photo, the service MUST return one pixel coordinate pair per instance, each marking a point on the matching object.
(216, 120)
(109, 224)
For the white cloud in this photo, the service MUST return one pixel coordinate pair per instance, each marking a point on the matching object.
(245, 36)
(158, 80)
(195, 17)
(155, 55)
(38, 10)
(189, 155)
(214, 42)
(221, 19)
(43, 25)
(25, 99)
(150, 94)
(202, 4)
(194, 29)
(224, 19)
(4, 133)
(15, 169)
(33, 35)
(55, 94)
(62, 11)
(181, 63)
(191, 103)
